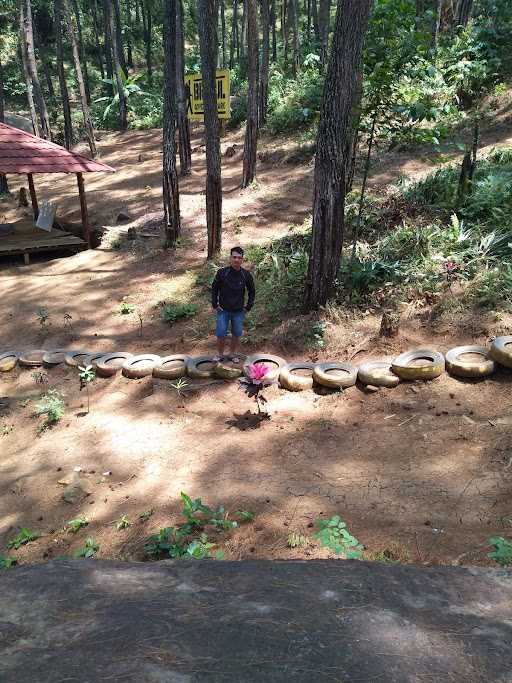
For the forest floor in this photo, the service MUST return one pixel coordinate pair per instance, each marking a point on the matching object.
(422, 471)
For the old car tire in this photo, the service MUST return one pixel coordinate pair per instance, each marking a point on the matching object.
(76, 358)
(294, 382)
(8, 361)
(32, 359)
(55, 356)
(91, 359)
(432, 367)
(377, 373)
(171, 367)
(335, 375)
(140, 366)
(501, 350)
(108, 365)
(459, 367)
(227, 370)
(275, 364)
(200, 367)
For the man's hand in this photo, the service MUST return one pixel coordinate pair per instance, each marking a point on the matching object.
(215, 309)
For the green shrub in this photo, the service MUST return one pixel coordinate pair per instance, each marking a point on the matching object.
(52, 405)
(173, 312)
(294, 103)
(502, 553)
(22, 538)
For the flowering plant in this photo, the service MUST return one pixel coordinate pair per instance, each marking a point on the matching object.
(254, 382)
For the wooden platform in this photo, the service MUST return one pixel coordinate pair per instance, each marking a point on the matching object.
(26, 239)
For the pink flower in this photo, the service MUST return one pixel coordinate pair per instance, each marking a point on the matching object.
(256, 372)
(450, 266)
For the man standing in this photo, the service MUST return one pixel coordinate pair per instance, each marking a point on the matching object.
(228, 301)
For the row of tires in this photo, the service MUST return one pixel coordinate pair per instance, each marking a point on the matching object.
(421, 364)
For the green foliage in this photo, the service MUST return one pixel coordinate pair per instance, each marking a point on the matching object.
(173, 312)
(123, 523)
(7, 562)
(86, 374)
(296, 540)
(74, 525)
(333, 534)
(23, 537)
(146, 515)
(502, 553)
(131, 91)
(189, 538)
(206, 275)
(125, 308)
(315, 335)
(52, 405)
(294, 103)
(89, 549)
(43, 317)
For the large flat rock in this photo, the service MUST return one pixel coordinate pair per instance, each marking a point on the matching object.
(178, 622)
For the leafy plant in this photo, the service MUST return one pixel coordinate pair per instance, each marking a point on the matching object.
(22, 538)
(43, 317)
(245, 515)
(40, 377)
(502, 553)
(89, 549)
(130, 88)
(173, 312)
(180, 386)
(315, 335)
(74, 525)
(6, 429)
(125, 308)
(296, 540)
(7, 562)
(86, 375)
(123, 523)
(333, 534)
(146, 515)
(52, 405)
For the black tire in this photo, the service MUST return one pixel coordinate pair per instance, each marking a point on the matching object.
(109, 364)
(377, 373)
(55, 357)
(432, 367)
(171, 367)
(275, 364)
(473, 369)
(294, 382)
(32, 359)
(8, 361)
(140, 366)
(335, 375)
(195, 370)
(75, 358)
(501, 350)
(227, 370)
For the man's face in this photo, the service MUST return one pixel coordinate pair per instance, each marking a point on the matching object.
(236, 260)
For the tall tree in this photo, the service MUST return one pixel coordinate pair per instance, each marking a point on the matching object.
(89, 130)
(96, 28)
(234, 46)
(294, 23)
(81, 51)
(274, 31)
(123, 108)
(324, 20)
(181, 93)
(28, 38)
(4, 188)
(463, 12)
(119, 36)
(207, 27)
(251, 127)
(333, 150)
(170, 177)
(26, 73)
(129, 35)
(64, 95)
(265, 48)
(223, 31)
(107, 43)
(147, 27)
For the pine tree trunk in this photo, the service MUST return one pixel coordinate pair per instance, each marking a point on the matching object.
(333, 150)
(147, 21)
(97, 37)
(89, 130)
(284, 29)
(183, 125)
(46, 64)
(4, 188)
(119, 36)
(251, 128)
(30, 97)
(32, 69)
(274, 32)
(294, 23)
(437, 24)
(123, 109)
(207, 28)
(171, 196)
(81, 52)
(233, 45)
(314, 13)
(265, 33)
(68, 127)
(324, 17)
(129, 37)
(463, 12)
(223, 31)
(109, 66)
(243, 36)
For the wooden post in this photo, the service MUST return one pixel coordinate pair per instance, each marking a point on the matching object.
(33, 196)
(83, 209)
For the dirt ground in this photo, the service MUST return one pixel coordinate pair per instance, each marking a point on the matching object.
(422, 471)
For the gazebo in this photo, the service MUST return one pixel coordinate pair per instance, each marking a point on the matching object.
(24, 153)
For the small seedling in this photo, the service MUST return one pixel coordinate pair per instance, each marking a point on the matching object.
(180, 386)
(68, 324)
(123, 523)
(40, 377)
(43, 316)
(25, 536)
(74, 525)
(146, 515)
(502, 553)
(6, 429)
(86, 376)
(140, 323)
(296, 540)
(7, 562)
(89, 549)
(333, 534)
(125, 308)
(245, 515)
(52, 405)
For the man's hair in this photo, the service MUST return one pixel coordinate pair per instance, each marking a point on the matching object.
(237, 250)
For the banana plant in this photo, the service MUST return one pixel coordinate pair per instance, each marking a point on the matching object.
(130, 89)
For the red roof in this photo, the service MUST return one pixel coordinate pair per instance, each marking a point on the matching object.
(22, 152)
